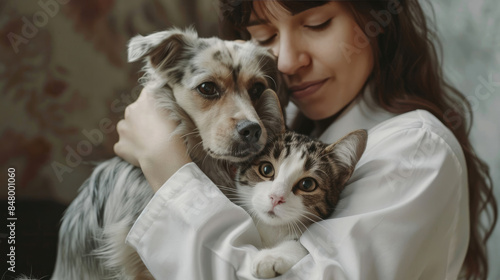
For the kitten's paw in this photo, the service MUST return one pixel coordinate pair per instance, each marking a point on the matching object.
(269, 264)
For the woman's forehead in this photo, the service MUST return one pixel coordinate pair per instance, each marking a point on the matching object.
(265, 11)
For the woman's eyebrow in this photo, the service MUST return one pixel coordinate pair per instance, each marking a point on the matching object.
(256, 22)
(265, 21)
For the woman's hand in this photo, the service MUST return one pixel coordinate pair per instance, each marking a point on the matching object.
(146, 141)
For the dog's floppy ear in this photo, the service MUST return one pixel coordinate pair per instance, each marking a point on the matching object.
(162, 48)
(269, 110)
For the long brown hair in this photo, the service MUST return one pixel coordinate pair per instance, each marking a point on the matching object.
(407, 76)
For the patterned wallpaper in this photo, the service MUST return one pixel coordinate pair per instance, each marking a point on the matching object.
(64, 82)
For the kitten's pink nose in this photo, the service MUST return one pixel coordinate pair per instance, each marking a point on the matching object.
(276, 200)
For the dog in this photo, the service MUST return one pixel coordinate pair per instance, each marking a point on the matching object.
(227, 98)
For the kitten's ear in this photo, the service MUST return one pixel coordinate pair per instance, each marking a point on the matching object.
(346, 153)
(269, 110)
(162, 48)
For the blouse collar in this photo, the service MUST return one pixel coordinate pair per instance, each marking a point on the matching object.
(362, 113)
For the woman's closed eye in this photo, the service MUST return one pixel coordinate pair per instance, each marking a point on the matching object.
(314, 27)
(321, 26)
(266, 41)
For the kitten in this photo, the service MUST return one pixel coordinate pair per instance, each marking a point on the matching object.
(292, 183)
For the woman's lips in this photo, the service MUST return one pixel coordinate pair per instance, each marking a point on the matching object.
(306, 89)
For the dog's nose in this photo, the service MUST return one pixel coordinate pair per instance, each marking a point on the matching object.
(249, 131)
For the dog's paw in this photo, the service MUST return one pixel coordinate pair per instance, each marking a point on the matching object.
(269, 264)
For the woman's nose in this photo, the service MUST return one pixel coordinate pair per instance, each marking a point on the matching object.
(291, 55)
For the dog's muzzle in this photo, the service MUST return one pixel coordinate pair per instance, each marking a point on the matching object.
(249, 132)
(246, 142)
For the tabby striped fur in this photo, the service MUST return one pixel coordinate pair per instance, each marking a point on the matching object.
(294, 182)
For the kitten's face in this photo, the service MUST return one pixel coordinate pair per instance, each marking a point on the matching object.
(298, 179)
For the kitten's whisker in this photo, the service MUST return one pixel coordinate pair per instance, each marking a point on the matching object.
(291, 229)
(236, 199)
(194, 132)
(305, 227)
(203, 161)
(259, 65)
(244, 206)
(227, 188)
(254, 216)
(310, 219)
(198, 144)
(316, 222)
(296, 229)
(318, 218)
(299, 228)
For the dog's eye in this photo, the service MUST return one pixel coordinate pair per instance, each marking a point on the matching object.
(208, 88)
(256, 90)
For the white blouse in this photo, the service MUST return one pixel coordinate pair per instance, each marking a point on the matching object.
(403, 215)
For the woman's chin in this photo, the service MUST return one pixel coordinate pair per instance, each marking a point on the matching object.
(314, 115)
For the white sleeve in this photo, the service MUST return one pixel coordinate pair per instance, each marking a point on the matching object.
(404, 215)
(190, 230)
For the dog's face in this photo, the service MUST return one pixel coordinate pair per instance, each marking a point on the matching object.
(226, 88)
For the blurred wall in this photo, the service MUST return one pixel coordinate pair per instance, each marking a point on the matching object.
(65, 80)
(470, 34)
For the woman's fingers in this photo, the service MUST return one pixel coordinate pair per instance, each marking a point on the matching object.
(146, 135)
(147, 140)
(130, 140)
(124, 148)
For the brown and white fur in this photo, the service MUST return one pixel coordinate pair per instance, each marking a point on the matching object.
(292, 183)
(222, 94)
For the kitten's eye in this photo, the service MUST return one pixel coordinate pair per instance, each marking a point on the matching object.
(256, 90)
(307, 185)
(208, 88)
(266, 169)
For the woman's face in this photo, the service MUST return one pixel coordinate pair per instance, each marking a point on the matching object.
(319, 52)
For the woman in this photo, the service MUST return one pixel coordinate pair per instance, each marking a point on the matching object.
(412, 209)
